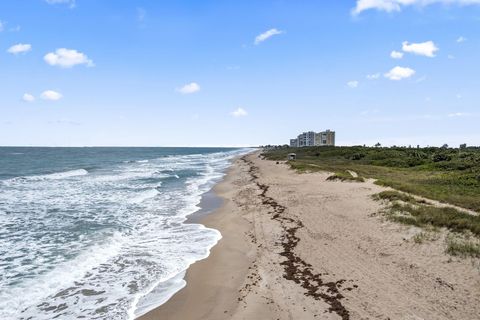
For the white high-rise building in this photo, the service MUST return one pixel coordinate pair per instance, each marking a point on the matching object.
(310, 139)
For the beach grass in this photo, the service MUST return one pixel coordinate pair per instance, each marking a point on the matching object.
(425, 236)
(463, 247)
(391, 195)
(441, 217)
(345, 176)
(445, 174)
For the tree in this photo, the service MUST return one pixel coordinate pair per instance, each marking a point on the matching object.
(377, 145)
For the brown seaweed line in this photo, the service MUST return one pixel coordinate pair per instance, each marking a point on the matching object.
(296, 269)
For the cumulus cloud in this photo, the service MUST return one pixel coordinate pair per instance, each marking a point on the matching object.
(189, 88)
(352, 84)
(397, 5)
(239, 112)
(396, 54)
(461, 39)
(399, 73)
(266, 35)
(51, 95)
(67, 58)
(27, 97)
(373, 76)
(19, 48)
(70, 3)
(427, 48)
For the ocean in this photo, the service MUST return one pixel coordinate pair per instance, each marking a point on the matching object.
(100, 233)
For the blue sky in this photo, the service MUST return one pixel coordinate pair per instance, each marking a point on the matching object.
(236, 73)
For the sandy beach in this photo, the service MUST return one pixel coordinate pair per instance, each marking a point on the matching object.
(296, 246)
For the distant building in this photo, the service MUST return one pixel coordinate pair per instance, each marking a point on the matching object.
(310, 139)
(306, 139)
(325, 138)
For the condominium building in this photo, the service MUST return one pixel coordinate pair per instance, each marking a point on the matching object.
(310, 139)
(325, 138)
(306, 139)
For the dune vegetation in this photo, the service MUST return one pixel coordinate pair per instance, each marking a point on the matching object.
(450, 175)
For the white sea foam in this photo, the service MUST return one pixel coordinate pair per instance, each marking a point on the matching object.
(54, 176)
(160, 293)
(30, 292)
(148, 194)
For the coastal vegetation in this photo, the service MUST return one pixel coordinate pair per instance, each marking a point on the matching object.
(463, 228)
(345, 176)
(450, 175)
(469, 247)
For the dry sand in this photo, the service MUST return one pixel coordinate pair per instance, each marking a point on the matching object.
(296, 246)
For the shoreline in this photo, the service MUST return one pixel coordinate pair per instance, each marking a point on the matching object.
(296, 246)
(228, 248)
(209, 203)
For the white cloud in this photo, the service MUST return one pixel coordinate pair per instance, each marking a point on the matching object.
(399, 73)
(369, 112)
(27, 97)
(51, 95)
(19, 48)
(352, 84)
(239, 112)
(65, 121)
(141, 17)
(383, 5)
(267, 34)
(421, 79)
(67, 58)
(2, 25)
(458, 114)
(427, 48)
(397, 5)
(70, 3)
(396, 54)
(461, 39)
(141, 14)
(189, 88)
(451, 56)
(373, 76)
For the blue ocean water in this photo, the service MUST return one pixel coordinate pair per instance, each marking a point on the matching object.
(99, 233)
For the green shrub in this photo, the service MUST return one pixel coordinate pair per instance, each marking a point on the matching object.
(441, 157)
